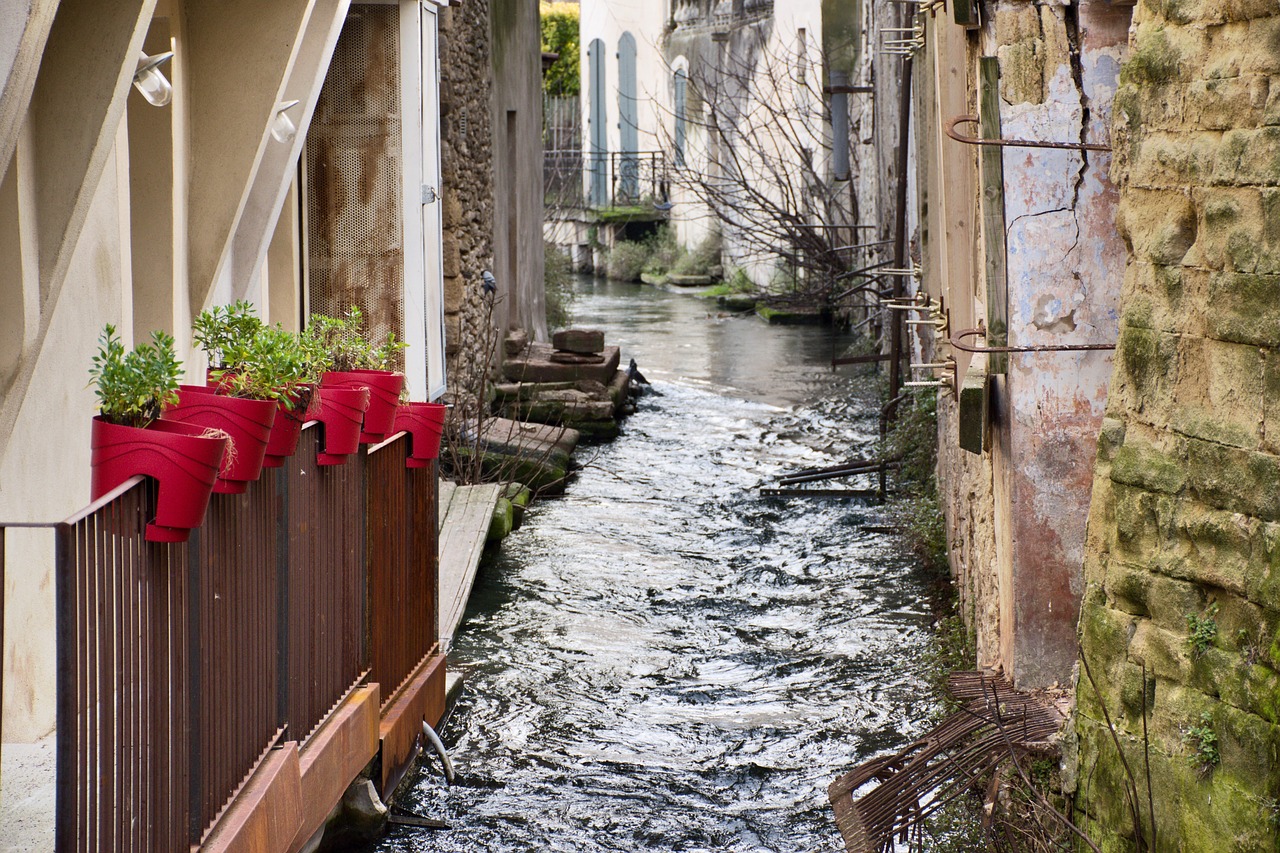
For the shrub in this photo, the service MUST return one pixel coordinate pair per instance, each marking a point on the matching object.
(627, 260)
(701, 258)
(133, 387)
(664, 253)
(557, 285)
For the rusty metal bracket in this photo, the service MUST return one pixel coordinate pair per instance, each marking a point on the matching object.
(981, 332)
(1016, 143)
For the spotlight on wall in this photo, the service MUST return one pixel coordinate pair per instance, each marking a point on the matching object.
(282, 127)
(148, 80)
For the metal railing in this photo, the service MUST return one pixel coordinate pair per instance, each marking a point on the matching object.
(402, 534)
(602, 180)
(181, 665)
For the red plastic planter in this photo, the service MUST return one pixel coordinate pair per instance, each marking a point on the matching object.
(425, 424)
(341, 410)
(384, 396)
(247, 422)
(284, 434)
(177, 455)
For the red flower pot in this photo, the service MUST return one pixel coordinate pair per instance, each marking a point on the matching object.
(247, 422)
(425, 424)
(384, 395)
(286, 429)
(177, 455)
(341, 410)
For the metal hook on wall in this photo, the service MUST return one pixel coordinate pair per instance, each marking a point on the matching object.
(1016, 143)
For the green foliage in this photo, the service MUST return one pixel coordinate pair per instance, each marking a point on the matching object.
(664, 252)
(557, 283)
(338, 343)
(701, 259)
(627, 260)
(250, 359)
(1202, 630)
(133, 387)
(224, 328)
(270, 366)
(560, 35)
(1203, 741)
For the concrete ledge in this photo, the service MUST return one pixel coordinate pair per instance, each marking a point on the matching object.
(334, 756)
(421, 699)
(265, 816)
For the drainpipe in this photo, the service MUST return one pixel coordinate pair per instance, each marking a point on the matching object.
(840, 125)
(438, 745)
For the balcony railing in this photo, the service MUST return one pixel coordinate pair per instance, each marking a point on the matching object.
(181, 665)
(604, 180)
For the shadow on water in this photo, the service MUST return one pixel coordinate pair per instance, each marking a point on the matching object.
(662, 659)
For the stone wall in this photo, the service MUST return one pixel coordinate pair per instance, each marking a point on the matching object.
(466, 82)
(1184, 528)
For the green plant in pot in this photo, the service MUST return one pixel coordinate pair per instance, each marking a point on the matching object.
(355, 363)
(249, 381)
(223, 331)
(128, 439)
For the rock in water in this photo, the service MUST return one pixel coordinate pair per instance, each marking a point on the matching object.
(585, 341)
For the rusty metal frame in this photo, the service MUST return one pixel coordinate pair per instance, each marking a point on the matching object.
(1016, 143)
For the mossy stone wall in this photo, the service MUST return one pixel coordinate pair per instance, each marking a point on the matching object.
(1184, 527)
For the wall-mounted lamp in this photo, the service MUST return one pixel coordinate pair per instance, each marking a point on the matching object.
(282, 127)
(148, 80)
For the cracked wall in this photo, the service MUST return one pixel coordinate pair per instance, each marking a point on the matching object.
(1059, 71)
(1016, 514)
(1184, 528)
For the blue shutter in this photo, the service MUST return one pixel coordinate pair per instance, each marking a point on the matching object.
(628, 120)
(598, 153)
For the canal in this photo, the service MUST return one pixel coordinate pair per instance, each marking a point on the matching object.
(661, 658)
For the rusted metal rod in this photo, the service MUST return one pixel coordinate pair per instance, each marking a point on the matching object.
(1016, 143)
(981, 332)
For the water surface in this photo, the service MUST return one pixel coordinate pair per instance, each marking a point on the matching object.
(662, 659)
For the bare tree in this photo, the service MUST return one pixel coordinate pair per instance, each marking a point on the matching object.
(764, 173)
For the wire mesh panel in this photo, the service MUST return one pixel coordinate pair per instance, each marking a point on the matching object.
(355, 228)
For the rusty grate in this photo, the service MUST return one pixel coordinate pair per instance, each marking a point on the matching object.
(993, 723)
(355, 233)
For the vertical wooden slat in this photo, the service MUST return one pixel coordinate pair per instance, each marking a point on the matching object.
(991, 169)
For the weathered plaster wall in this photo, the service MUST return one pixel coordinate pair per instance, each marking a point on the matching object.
(1016, 513)
(1059, 67)
(1185, 519)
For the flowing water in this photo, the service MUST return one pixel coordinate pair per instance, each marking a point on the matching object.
(661, 659)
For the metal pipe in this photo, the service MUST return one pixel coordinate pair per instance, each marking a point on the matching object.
(981, 331)
(1016, 143)
(438, 745)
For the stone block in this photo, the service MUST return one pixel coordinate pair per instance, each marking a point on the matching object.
(1149, 468)
(1223, 104)
(1220, 391)
(1228, 218)
(455, 294)
(1213, 548)
(1245, 309)
(1146, 361)
(452, 334)
(1159, 225)
(585, 341)
(1249, 156)
(451, 257)
(516, 341)
(1234, 479)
